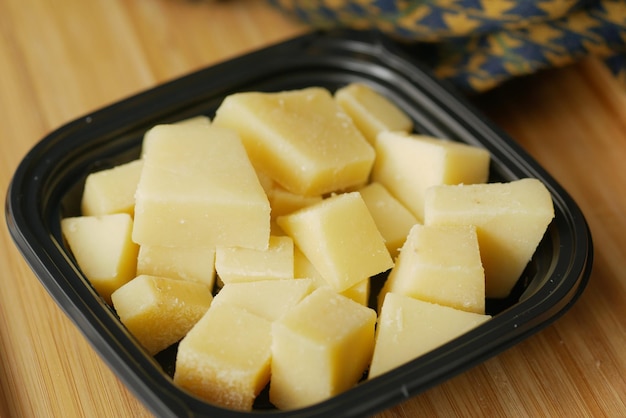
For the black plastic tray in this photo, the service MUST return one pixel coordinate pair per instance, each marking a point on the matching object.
(48, 183)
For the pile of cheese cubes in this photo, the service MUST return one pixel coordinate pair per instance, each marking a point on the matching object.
(252, 240)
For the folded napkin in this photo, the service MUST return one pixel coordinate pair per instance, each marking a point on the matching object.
(478, 44)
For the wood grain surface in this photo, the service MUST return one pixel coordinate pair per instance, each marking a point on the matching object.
(60, 60)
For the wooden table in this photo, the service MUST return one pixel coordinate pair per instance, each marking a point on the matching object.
(62, 59)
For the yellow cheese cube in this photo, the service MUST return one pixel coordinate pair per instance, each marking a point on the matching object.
(269, 299)
(195, 120)
(408, 328)
(283, 202)
(159, 311)
(111, 190)
(184, 263)
(360, 292)
(510, 219)
(237, 264)
(225, 358)
(300, 138)
(103, 249)
(320, 348)
(340, 238)
(303, 269)
(440, 264)
(408, 164)
(199, 189)
(392, 218)
(372, 112)
(266, 182)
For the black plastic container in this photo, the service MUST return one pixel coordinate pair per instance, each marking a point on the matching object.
(48, 184)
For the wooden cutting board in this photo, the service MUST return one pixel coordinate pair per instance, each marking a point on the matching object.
(60, 60)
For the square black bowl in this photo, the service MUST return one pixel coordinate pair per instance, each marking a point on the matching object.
(48, 183)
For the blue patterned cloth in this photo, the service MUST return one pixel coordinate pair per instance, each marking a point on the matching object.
(478, 44)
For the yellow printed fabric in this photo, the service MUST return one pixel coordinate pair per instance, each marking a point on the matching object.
(478, 44)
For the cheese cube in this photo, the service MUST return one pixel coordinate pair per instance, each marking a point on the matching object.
(237, 264)
(360, 292)
(103, 249)
(199, 189)
(225, 358)
(269, 299)
(440, 264)
(300, 138)
(266, 182)
(408, 328)
(372, 112)
(510, 219)
(303, 269)
(111, 190)
(392, 218)
(283, 202)
(194, 120)
(159, 311)
(340, 238)
(320, 348)
(192, 263)
(408, 164)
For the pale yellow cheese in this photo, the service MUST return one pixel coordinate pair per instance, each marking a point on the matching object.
(185, 263)
(238, 264)
(103, 249)
(360, 292)
(392, 218)
(284, 202)
(408, 328)
(303, 269)
(225, 358)
(407, 165)
(269, 299)
(300, 138)
(266, 182)
(510, 219)
(194, 120)
(199, 185)
(320, 348)
(440, 264)
(372, 112)
(111, 190)
(340, 238)
(159, 311)
(199, 189)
